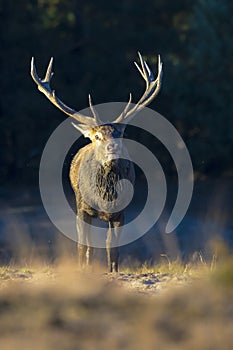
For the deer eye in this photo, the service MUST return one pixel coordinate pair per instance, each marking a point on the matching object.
(97, 137)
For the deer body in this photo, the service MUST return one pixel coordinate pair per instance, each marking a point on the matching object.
(93, 171)
(101, 172)
(98, 186)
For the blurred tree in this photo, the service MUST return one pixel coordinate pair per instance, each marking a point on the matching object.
(27, 28)
(202, 89)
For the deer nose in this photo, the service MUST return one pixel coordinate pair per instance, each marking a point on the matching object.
(112, 147)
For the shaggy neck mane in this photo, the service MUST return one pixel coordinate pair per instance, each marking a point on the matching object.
(107, 178)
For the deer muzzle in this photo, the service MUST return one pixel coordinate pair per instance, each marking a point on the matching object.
(112, 150)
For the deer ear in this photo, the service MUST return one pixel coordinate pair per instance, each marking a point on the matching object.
(84, 129)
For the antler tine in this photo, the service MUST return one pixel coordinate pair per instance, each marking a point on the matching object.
(152, 88)
(142, 68)
(153, 85)
(94, 111)
(121, 116)
(44, 87)
(34, 72)
(145, 71)
(49, 72)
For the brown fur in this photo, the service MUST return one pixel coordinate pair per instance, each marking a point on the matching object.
(99, 185)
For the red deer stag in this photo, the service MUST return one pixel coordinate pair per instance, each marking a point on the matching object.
(101, 187)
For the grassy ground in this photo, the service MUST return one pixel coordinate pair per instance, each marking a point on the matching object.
(45, 307)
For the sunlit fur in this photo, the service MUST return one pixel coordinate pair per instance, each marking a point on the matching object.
(96, 170)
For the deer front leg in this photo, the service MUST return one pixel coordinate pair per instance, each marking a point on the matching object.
(113, 236)
(85, 250)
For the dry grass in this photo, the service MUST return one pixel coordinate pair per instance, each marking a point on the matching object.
(44, 307)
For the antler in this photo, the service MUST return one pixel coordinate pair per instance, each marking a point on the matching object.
(44, 86)
(152, 88)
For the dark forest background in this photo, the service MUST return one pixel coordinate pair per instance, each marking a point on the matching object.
(94, 44)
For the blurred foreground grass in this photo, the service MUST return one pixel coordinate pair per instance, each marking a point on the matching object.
(58, 307)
